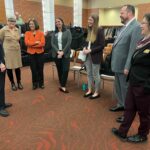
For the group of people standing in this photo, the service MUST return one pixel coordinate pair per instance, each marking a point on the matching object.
(130, 62)
(60, 48)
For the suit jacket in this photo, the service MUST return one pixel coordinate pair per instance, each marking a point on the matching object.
(139, 73)
(97, 47)
(66, 42)
(1, 54)
(2, 80)
(124, 47)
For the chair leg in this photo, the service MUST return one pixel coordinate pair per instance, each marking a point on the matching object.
(78, 78)
(74, 75)
(102, 83)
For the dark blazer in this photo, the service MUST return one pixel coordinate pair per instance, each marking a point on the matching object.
(66, 42)
(139, 73)
(97, 47)
(1, 54)
(2, 80)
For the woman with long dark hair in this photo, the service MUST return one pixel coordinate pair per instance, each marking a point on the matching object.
(61, 41)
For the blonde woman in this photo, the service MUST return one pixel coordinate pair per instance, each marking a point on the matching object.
(93, 49)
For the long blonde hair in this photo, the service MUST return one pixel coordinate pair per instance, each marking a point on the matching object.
(92, 32)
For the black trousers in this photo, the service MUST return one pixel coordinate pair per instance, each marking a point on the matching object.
(136, 101)
(11, 77)
(2, 90)
(37, 66)
(62, 65)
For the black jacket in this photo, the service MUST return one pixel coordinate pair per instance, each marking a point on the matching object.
(139, 73)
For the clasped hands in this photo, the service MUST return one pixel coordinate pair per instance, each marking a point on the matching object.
(86, 51)
(60, 54)
(36, 44)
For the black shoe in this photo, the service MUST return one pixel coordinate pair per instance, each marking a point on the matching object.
(120, 119)
(117, 108)
(94, 97)
(137, 138)
(64, 91)
(4, 113)
(20, 87)
(35, 86)
(7, 105)
(42, 86)
(87, 95)
(13, 87)
(118, 134)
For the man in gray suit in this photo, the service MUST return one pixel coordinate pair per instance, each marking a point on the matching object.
(122, 51)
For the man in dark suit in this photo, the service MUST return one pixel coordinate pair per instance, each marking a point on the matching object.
(3, 105)
(123, 49)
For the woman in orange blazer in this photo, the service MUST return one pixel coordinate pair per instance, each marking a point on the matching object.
(35, 41)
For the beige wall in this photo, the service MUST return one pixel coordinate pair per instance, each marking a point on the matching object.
(69, 3)
(114, 3)
(64, 2)
(111, 16)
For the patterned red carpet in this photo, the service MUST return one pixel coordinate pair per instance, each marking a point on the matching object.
(50, 120)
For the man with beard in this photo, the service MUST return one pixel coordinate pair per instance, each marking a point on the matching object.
(122, 51)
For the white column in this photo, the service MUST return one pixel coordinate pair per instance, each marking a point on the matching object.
(77, 13)
(48, 15)
(9, 8)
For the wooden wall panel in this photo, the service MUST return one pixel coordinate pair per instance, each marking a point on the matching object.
(86, 13)
(29, 9)
(142, 9)
(64, 12)
(2, 12)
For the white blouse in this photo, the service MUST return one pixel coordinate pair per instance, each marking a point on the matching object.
(60, 40)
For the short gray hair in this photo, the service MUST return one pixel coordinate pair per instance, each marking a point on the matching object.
(11, 19)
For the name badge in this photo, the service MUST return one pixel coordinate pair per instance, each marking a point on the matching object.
(146, 51)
